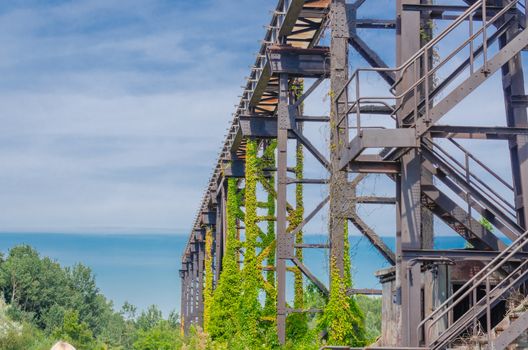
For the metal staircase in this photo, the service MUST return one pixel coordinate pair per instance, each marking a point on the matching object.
(495, 291)
(418, 99)
(417, 107)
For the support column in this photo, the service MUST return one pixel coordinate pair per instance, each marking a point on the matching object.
(218, 238)
(200, 282)
(338, 134)
(190, 317)
(284, 240)
(409, 211)
(195, 295)
(516, 116)
(183, 305)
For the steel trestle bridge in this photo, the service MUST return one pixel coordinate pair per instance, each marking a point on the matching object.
(432, 299)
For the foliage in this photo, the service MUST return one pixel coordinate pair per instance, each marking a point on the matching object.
(48, 303)
(75, 331)
(208, 284)
(297, 323)
(249, 305)
(371, 308)
(268, 161)
(41, 291)
(150, 318)
(161, 336)
(224, 308)
(342, 318)
(487, 225)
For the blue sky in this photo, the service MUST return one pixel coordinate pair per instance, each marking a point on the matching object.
(113, 111)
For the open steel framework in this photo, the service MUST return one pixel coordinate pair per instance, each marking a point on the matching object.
(433, 299)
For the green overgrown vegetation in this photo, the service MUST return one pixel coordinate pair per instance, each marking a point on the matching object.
(43, 302)
(46, 302)
(244, 302)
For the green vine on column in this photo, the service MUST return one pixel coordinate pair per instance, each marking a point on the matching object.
(342, 317)
(250, 308)
(208, 285)
(268, 161)
(224, 323)
(297, 323)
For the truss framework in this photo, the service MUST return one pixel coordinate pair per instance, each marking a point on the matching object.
(428, 82)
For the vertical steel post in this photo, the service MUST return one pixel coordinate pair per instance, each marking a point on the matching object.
(284, 246)
(516, 116)
(338, 134)
(183, 305)
(218, 246)
(192, 298)
(196, 276)
(200, 281)
(408, 236)
(427, 225)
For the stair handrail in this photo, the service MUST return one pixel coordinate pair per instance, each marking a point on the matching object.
(474, 282)
(480, 184)
(465, 15)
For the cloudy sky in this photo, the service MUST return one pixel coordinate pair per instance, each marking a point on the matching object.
(112, 112)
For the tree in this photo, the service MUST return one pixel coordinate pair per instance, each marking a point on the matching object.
(160, 337)
(149, 318)
(75, 332)
(93, 308)
(32, 284)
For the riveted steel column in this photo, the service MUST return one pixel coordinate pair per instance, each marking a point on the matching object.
(183, 305)
(200, 280)
(516, 116)
(338, 134)
(409, 210)
(219, 237)
(284, 240)
(195, 295)
(191, 294)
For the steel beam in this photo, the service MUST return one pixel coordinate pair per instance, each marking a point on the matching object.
(377, 138)
(409, 210)
(460, 254)
(460, 221)
(338, 133)
(516, 117)
(514, 330)
(477, 132)
(284, 245)
(508, 52)
(371, 57)
(297, 62)
(376, 240)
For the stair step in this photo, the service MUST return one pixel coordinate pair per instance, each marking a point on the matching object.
(480, 339)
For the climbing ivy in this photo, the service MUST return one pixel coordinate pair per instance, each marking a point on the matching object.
(296, 221)
(342, 318)
(208, 285)
(224, 323)
(268, 161)
(250, 308)
(297, 323)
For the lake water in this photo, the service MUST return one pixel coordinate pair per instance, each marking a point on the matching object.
(143, 269)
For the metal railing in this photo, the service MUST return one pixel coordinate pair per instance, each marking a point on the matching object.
(423, 74)
(464, 169)
(484, 277)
